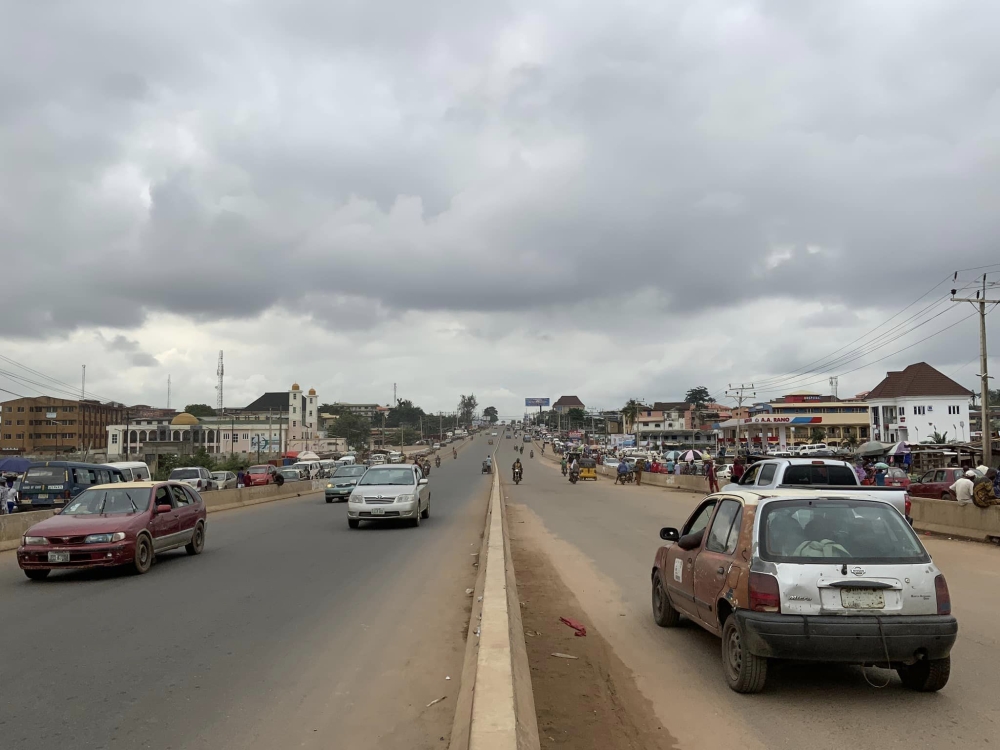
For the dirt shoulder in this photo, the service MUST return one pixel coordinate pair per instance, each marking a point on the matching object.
(587, 702)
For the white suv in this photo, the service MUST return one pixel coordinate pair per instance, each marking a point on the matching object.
(195, 476)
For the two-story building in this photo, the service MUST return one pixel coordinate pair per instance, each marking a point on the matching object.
(44, 425)
(919, 404)
(672, 424)
(565, 403)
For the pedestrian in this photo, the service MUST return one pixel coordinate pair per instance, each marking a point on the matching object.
(670, 466)
(639, 466)
(859, 470)
(239, 479)
(962, 489)
(880, 477)
(279, 478)
(738, 469)
(983, 494)
(713, 482)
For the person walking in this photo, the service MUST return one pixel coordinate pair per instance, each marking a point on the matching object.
(239, 479)
(640, 464)
(880, 477)
(738, 469)
(713, 481)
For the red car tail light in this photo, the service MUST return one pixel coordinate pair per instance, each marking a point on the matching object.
(906, 502)
(943, 595)
(764, 593)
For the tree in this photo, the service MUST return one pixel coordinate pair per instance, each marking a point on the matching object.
(490, 412)
(200, 410)
(937, 438)
(630, 412)
(357, 430)
(405, 413)
(817, 435)
(994, 397)
(698, 397)
(851, 441)
(576, 415)
(467, 408)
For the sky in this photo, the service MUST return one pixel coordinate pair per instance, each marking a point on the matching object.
(513, 199)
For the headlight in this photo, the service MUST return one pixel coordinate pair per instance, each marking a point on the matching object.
(357, 499)
(329, 485)
(104, 538)
(35, 540)
(404, 498)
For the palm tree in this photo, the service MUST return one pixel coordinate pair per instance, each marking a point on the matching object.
(851, 441)
(630, 412)
(937, 438)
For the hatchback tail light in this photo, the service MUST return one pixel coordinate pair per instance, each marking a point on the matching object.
(906, 502)
(764, 593)
(943, 595)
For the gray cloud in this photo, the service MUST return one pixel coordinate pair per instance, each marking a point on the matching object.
(121, 344)
(356, 163)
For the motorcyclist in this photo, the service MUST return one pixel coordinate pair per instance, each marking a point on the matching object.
(562, 465)
(531, 453)
(489, 463)
(516, 468)
(454, 452)
(437, 461)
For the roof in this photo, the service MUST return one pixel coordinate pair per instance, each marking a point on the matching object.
(671, 406)
(919, 379)
(568, 401)
(184, 418)
(274, 400)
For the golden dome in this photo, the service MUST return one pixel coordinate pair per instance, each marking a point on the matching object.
(184, 418)
(312, 391)
(295, 387)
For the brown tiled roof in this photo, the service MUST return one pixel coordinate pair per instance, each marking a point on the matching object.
(568, 401)
(917, 380)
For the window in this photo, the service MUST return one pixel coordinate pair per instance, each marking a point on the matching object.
(84, 476)
(180, 498)
(700, 521)
(722, 527)
(951, 410)
(310, 412)
(295, 423)
(163, 496)
(114, 438)
(246, 435)
(751, 475)
(917, 410)
(295, 410)
(767, 474)
(902, 411)
(7, 422)
(7, 436)
(20, 436)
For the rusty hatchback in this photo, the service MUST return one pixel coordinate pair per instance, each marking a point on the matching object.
(807, 577)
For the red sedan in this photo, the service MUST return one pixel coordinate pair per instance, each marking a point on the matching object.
(260, 474)
(116, 524)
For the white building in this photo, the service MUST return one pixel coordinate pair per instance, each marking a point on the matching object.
(917, 402)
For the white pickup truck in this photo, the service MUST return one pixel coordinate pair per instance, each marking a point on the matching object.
(815, 474)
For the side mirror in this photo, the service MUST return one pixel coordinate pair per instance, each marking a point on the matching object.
(669, 534)
(163, 509)
(423, 481)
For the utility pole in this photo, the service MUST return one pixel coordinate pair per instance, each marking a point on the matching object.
(739, 394)
(168, 391)
(220, 371)
(83, 384)
(984, 397)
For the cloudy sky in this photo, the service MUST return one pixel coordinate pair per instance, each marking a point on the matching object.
(512, 198)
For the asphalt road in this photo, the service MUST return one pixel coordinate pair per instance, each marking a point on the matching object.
(290, 630)
(602, 538)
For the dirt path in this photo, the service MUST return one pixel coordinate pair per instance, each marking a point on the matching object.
(587, 702)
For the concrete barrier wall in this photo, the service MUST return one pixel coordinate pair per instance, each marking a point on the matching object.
(685, 482)
(13, 526)
(948, 517)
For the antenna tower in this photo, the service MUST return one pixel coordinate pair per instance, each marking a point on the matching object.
(168, 391)
(220, 372)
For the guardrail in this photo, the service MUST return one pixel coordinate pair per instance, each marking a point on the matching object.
(13, 525)
(496, 707)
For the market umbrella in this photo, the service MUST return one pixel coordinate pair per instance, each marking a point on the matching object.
(899, 448)
(881, 465)
(871, 448)
(691, 455)
(671, 455)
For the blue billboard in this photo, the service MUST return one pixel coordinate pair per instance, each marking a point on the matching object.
(536, 402)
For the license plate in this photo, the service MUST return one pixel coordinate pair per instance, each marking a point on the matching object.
(42, 497)
(59, 557)
(378, 511)
(862, 598)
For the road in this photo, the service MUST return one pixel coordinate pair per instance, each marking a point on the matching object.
(290, 630)
(601, 540)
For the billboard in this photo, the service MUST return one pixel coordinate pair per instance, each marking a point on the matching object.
(536, 402)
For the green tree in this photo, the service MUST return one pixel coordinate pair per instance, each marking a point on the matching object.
(202, 457)
(467, 408)
(354, 428)
(851, 441)
(994, 397)
(200, 410)
(698, 397)
(490, 412)
(817, 435)
(405, 413)
(937, 438)
(577, 416)
(630, 412)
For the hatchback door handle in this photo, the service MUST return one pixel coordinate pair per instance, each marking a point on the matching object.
(720, 571)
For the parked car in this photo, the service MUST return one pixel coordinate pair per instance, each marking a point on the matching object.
(390, 491)
(133, 471)
(291, 474)
(327, 467)
(937, 483)
(610, 461)
(259, 475)
(52, 484)
(116, 524)
(342, 483)
(196, 476)
(807, 577)
(896, 477)
(437, 446)
(224, 480)
(308, 469)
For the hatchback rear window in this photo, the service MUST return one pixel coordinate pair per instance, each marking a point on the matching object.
(185, 474)
(844, 530)
(820, 474)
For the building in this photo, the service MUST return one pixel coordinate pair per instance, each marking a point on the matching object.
(674, 424)
(369, 411)
(915, 403)
(797, 419)
(275, 424)
(565, 403)
(44, 425)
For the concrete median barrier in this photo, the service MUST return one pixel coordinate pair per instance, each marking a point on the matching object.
(948, 517)
(13, 526)
(496, 707)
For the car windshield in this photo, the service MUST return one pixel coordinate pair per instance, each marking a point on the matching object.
(220, 475)
(184, 474)
(848, 530)
(257, 470)
(350, 471)
(109, 501)
(820, 474)
(896, 474)
(290, 473)
(387, 476)
(45, 475)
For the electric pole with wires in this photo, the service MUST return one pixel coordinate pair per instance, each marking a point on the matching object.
(980, 301)
(739, 393)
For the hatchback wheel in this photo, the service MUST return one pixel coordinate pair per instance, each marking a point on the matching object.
(745, 673)
(353, 523)
(37, 575)
(663, 611)
(927, 675)
(197, 543)
(143, 555)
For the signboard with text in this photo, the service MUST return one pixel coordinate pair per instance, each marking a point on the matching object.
(536, 402)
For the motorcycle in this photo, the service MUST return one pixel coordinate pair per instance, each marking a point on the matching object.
(437, 462)
(517, 476)
(531, 454)
(454, 453)
(574, 476)
(487, 467)
(564, 469)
